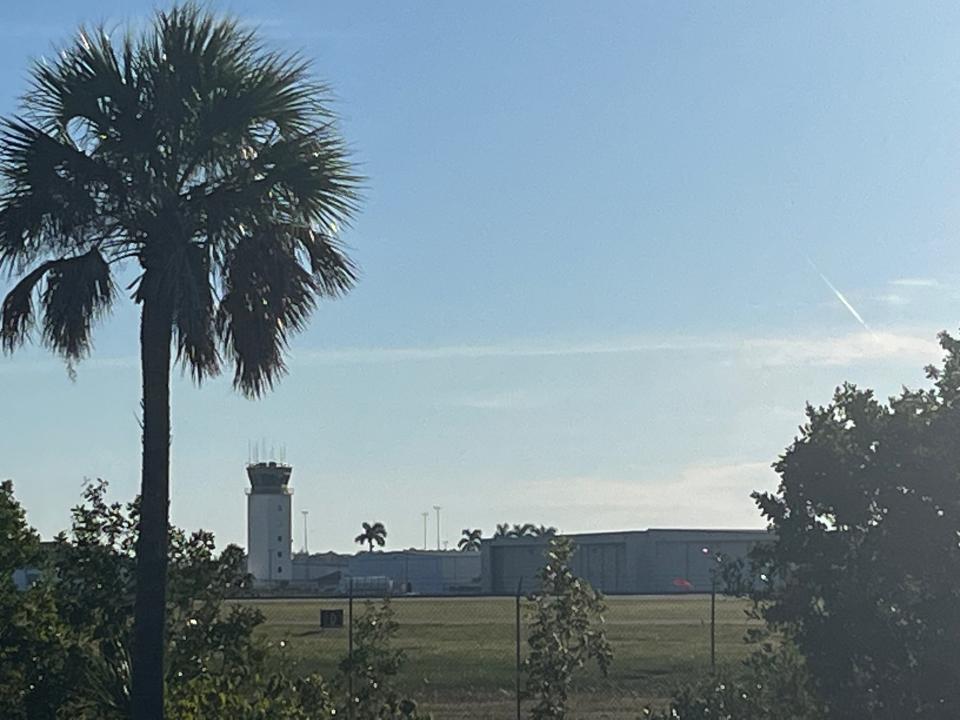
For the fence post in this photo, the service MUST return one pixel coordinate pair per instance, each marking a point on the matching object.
(713, 623)
(350, 646)
(519, 588)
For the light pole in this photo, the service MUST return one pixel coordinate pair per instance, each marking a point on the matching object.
(438, 508)
(425, 516)
(717, 559)
(306, 550)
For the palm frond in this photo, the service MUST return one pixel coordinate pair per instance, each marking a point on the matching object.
(194, 314)
(268, 294)
(77, 291)
(17, 317)
(87, 82)
(50, 202)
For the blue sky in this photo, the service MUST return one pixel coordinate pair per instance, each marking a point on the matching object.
(586, 298)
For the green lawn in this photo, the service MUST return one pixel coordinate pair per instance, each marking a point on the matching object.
(461, 651)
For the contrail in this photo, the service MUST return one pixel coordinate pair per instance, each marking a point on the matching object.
(842, 298)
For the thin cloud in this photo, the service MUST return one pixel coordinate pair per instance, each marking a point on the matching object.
(774, 351)
(843, 350)
(510, 400)
(518, 350)
(915, 282)
(706, 494)
(893, 300)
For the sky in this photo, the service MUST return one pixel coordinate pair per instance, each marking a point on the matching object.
(608, 252)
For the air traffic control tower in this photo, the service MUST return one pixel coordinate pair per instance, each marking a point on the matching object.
(269, 521)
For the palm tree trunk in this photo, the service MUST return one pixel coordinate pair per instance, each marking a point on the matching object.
(149, 630)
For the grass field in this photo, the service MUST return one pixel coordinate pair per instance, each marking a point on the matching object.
(461, 651)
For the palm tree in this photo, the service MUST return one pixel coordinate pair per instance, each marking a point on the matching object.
(213, 167)
(543, 531)
(503, 530)
(525, 530)
(372, 533)
(470, 542)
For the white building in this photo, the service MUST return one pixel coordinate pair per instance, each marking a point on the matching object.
(269, 522)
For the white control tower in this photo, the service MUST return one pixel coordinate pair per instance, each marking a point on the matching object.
(269, 521)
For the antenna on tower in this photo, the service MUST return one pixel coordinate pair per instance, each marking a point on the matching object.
(306, 550)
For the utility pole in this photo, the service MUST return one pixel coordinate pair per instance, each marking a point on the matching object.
(716, 559)
(438, 509)
(425, 516)
(306, 549)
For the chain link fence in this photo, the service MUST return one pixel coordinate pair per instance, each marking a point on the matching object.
(465, 655)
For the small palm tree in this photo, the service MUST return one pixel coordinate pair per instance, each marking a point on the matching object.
(372, 533)
(543, 531)
(524, 530)
(470, 542)
(213, 167)
(503, 530)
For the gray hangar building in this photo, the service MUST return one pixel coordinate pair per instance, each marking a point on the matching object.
(631, 562)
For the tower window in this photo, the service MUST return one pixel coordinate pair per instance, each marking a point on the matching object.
(279, 538)
(279, 554)
(279, 570)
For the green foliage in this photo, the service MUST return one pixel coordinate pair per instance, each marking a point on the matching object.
(773, 685)
(190, 148)
(864, 575)
(373, 534)
(564, 633)
(64, 651)
(37, 655)
(270, 697)
(470, 540)
(367, 674)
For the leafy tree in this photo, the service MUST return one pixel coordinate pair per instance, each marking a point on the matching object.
(64, 652)
(773, 685)
(213, 165)
(367, 674)
(470, 542)
(373, 533)
(864, 574)
(565, 633)
(35, 652)
(503, 530)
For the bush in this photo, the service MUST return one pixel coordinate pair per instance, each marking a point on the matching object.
(565, 633)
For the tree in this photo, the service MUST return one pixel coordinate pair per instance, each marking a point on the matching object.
(470, 542)
(35, 652)
(865, 568)
(373, 533)
(524, 530)
(565, 632)
(213, 165)
(543, 531)
(64, 642)
(503, 530)
(772, 685)
(367, 674)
